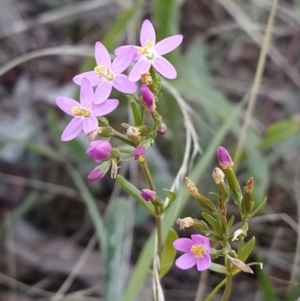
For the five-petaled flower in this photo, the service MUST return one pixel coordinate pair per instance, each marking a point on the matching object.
(150, 53)
(84, 113)
(107, 74)
(197, 252)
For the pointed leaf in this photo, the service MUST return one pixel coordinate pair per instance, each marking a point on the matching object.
(259, 207)
(218, 268)
(230, 223)
(212, 221)
(168, 253)
(247, 249)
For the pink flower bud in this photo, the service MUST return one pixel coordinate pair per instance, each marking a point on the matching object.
(99, 150)
(148, 98)
(139, 151)
(224, 157)
(95, 174)
(148, 195)
(161, 129)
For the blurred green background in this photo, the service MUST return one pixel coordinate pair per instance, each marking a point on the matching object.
(54, 224)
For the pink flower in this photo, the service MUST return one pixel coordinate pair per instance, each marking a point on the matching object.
(148, 195)
(150, 54)
(84, 113)
(224, 157)
(95, 174)
(99, 150)
(139, 151)
(148, 98)
(197, 252)
(107, 74)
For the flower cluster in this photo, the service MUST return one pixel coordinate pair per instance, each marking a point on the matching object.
(95, 102)
(215, 225)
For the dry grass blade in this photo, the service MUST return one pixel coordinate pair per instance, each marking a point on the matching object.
(81, 50)
(62, 13)
(257, 81)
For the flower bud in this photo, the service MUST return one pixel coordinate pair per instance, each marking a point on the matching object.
(247, 203)
(202, 200)
(95, 174)
(224, 157)
(146, 79)
(139, 151)
(218, 175)
(148, 98)
(148, 195)
(185, 222)
(161, 129)
(99, 150)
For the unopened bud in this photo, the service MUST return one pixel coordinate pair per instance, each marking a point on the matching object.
(202, 227)
(161, 129)
(224, 157)
(148, 98)
(139, 151)
(247, 203)
(148, 195)
(99, 150)
(95, 174)
(202, 200)
(218, 175)
(185, 222)
(105, 131)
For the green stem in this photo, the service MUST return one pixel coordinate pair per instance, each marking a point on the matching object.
(158, 232)
(123, 138)
(228, 286)
(147, 173)
(142, 115)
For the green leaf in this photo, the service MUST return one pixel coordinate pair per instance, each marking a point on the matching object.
(168, 253)
(171, 195)
(115, 227)
(136, 113)
(134, 192)
(230, 223)
(247, 249)
(259, 207)
(212, 221)
(218, 268)
(279, 132)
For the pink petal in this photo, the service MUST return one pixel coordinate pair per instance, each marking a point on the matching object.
(164, 67)
(147, 33)
(92, 76)
(201, 240)
(203, 263)
(105, 107)
(122, 83)
(121, 62)
(86, 93)
(168, 44)
(102, 56)
(72, 130)
(66, 104)
(89, 124)
(186, 261)
(126, 50)
(102, 92)
(183, 244)
(140, 67)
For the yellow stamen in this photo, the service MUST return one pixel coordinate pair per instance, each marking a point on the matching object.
(198, 250)
(81, 112)
(148, 50)
(104, 72)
